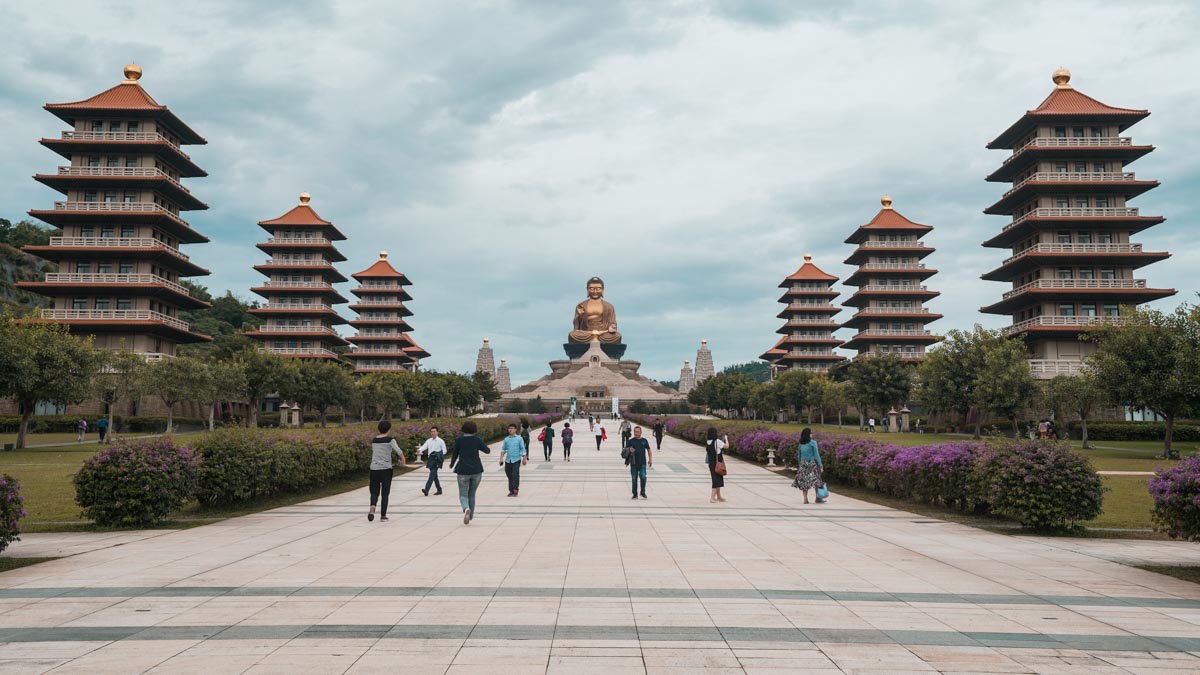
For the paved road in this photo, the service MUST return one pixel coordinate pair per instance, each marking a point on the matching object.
(575, 577)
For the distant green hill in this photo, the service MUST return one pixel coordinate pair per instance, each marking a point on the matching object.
(16, 266)
(759, 370)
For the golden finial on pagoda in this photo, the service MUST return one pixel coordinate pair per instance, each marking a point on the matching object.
(1062, 78)
(383, 255)
(304, 197)
(704, 343)
(886, 200)
(133, 73)
(807, 258)
(503, 361)
(485, 341)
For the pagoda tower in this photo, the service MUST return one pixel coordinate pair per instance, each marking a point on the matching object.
(298, 316)
(118, 257)
(807, 343)
(704, 363)
(1072, 259)
(485, 361)
(687, 379)
(891, 295)
(503, 379)
(382, 343)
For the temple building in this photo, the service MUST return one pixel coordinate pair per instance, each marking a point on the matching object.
(118, 256)
(808, 341)
(1072, 259)
(298, 316)
(704, 363)
(382, 343)
(687, 379)
(890, 297)
(485, 360)
(503, 378)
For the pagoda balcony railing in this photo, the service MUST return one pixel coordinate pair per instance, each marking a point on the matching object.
(1044, 369)
(271, 328)
(810, 352)
(891, 266)
(1075, 177)
(120, 172)
(378, 366)
(297, 263)
(868, 311)
(293, 307)
(806, 367)
(375, 349)
(1099, 212)
(810, 288)
(1077, 248)
(379, 319)
(892, 244)
(1093, 142)
(117, 242)
(395, 335)
(123, 136)
(297, 240)
(1062, 321)
(898, 287)
(382, 287)
(1070, 284)
(909, 332)
(298, 351)
(119, 207)
(900, 355)
(809, 319)
(112, 315)
(382, 303)
(297, 284)
(823, 336)
(84, 278)
(826, 305)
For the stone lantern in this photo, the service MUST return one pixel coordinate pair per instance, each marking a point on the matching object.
(283, 413)
(892, 420)
(904, 413)
(297, 418)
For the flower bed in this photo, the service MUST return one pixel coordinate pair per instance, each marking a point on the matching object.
(1039, 484)
(1176, 493)
(11, 510)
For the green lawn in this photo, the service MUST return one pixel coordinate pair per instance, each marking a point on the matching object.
(91, 440)
(1127, 504)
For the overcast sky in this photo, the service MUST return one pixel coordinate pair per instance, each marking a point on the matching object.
(690, 153)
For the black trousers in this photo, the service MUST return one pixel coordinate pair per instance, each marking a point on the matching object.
(598, 438)
(625, 436)
(513, 471)
(658, 441)
(566, 449)
(381, 487)
(548, 448)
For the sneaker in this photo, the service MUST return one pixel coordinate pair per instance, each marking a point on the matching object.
(383, 519)
(635, 496)
(438, 492)
(426, 491)
(371, 514)
(644, 496)
(466, 516)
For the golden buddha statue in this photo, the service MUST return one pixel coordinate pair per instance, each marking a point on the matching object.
(595, 318)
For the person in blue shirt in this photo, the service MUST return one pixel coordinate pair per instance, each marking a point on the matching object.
(514, 455)
(809, 468)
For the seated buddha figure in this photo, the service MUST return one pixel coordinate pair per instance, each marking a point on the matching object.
(595, 318)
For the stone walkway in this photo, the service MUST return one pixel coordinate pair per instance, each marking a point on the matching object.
(574, 577)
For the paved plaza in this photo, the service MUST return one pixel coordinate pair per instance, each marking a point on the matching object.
(573, 576)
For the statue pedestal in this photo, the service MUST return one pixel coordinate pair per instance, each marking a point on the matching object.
(575, 350)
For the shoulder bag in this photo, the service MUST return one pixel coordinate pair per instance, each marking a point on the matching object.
(719, 466)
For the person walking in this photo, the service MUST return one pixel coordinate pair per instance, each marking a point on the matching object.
(1042, 428)
(871, 425)
(809, 469)
(515, 453)
(102, 427)
(435, 453)
(81, 427)
(525, 435)
(383, 447)
(568, 437)
(626, 433)
(658, 433)
(598, 429)
(468, 468)
(713, 455)
(640, 457)
(547, 439)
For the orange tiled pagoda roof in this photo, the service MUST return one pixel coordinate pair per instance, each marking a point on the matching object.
(303, 215)
(887, 219)
(127, 97)
(381, 269)
(1065, 103)
(807, 272)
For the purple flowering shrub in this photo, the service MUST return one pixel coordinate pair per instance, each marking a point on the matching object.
(11, 510)
(938, 474)
(1040, 484)
(1176, 493)
(136, 483)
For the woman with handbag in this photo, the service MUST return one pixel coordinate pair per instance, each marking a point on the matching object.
(716, 462)
(809, 468)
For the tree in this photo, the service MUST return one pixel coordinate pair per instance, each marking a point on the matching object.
(879, 383)
(263, 374)
(514, 405)
(1079, 394)
(1151, 361)
(218, 381)
(24, 233)
(43, 362)
(121, 377)
(639, 407)
(949, 375)
(760, 371)
(537, 406)
(486, 384)
(765, 400)
(794, 389)
(1005, 387)
(464, 391)
(835, 396)
(319, 385)
(385, 392)
(175, 380)
(702, 393)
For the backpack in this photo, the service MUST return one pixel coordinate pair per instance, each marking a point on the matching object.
(568, 435)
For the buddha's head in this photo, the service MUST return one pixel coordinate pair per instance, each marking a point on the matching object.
(595, 288)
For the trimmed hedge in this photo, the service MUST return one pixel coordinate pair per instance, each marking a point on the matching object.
(1136, 431)
(11, 510)
(1040, 484)
(136, 483)
(1176, 494)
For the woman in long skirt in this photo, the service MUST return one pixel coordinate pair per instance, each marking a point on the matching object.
(810, 469)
